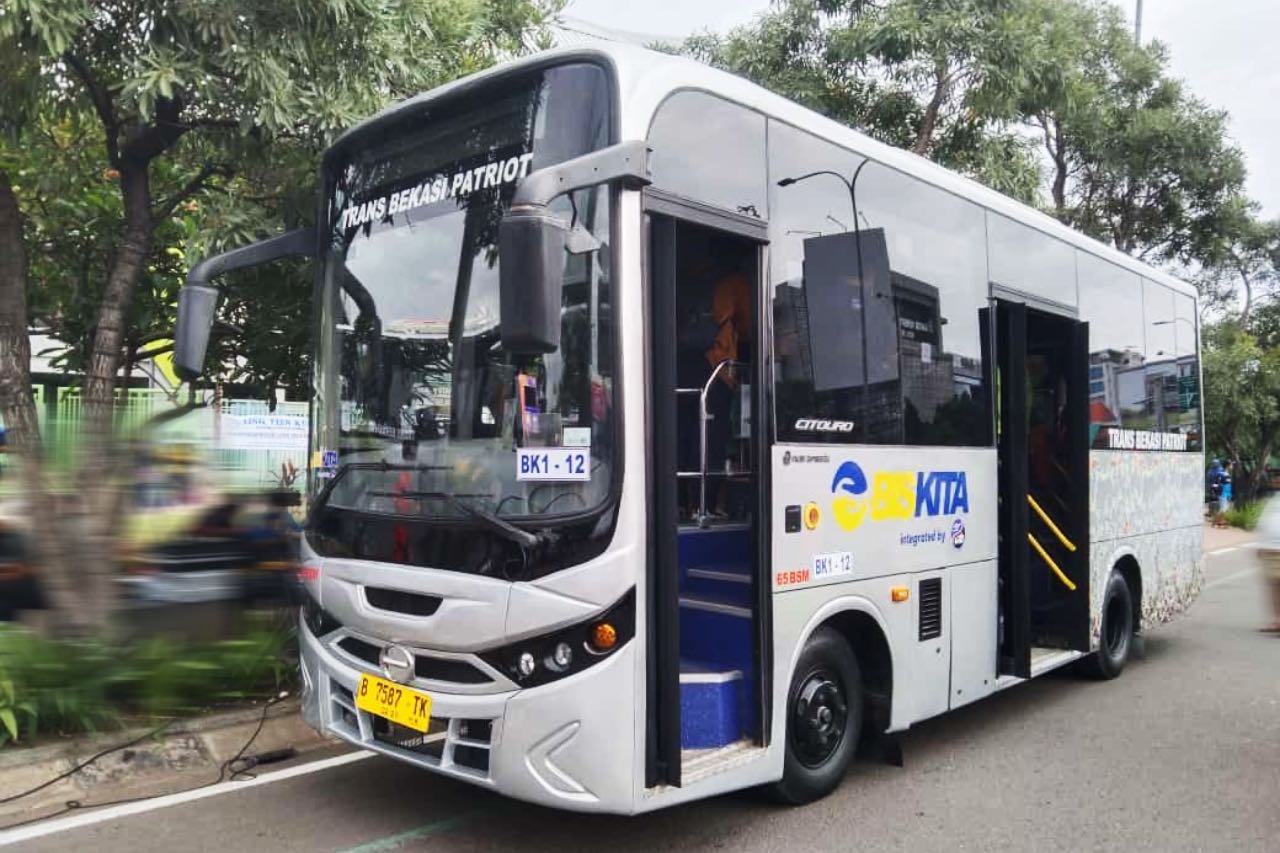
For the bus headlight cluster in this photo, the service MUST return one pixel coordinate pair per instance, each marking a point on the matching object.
(539, 660)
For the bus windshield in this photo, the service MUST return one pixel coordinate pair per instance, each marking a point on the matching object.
(418, 410)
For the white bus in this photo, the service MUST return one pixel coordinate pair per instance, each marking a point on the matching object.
(670, 439)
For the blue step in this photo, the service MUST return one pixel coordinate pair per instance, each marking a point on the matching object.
(727, 584)
(723, 544)
(717, 637)
(711, 707)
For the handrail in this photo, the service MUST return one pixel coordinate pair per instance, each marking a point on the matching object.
(1044, 556)
(703, 418)
(1044, 516)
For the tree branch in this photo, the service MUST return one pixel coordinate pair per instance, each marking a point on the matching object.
(101, 99)
(193, 186)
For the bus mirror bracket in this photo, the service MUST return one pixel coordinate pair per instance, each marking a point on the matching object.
(198, 299)
(532, 241)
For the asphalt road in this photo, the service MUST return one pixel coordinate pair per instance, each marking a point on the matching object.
(1181, 753)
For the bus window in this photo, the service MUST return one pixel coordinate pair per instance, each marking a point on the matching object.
(1111, 303)
(811, 213)
(1031, 261)
(1160, 383)
(1187, 419)
(937, 253)
(919, 255)
(708, 149)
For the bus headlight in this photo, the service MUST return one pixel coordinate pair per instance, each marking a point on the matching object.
(539, 660)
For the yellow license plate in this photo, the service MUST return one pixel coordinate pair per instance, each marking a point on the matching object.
(399, 704)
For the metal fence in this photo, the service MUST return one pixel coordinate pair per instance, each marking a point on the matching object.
(198, 434)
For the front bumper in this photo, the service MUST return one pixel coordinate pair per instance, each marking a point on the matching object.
(569, 744)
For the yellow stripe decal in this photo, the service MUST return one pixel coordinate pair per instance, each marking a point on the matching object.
(1057, 571)
(1066, 543)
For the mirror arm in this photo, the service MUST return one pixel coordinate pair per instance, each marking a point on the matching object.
(626, 161)
(298, 243)
(198, 299)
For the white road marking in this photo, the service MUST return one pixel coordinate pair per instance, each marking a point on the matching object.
(90, 816)
(1234, 576)
(1218, 551)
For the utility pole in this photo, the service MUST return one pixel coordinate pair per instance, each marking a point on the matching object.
(1137, 24)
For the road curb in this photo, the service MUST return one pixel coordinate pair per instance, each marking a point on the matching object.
(190, 748)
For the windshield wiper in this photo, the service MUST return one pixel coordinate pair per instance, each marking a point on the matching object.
(383, 466)
(490, 521)
(494, 523)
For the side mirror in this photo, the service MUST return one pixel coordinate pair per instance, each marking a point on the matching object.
(531, 245)
(197, 304)
(198, 299)
(532, 241)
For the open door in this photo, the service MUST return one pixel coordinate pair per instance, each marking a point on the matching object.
(1014, 633)
(707, 666)
(1043, 447)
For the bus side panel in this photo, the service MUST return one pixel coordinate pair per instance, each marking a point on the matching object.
(854, 522)
(1147, 504)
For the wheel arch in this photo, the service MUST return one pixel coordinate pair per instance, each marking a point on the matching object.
(1126, 565)
(865, 630)
(1123, 560)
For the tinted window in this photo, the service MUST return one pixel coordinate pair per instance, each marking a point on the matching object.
(708, 149)
(1161, 387)
(1186, 348)
(876, 330)
(1030, 261)
(806, 215)
(938, 262)
(1111, 303)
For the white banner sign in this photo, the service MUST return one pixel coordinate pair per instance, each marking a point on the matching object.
(264, 432)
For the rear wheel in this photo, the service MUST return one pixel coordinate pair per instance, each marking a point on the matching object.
(1117, 631)
(824, 719)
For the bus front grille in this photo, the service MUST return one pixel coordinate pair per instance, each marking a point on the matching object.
(457, 744)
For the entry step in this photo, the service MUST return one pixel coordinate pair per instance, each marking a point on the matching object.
(711, 704)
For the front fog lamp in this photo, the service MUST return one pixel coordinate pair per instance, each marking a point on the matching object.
(562, 656)
(527, 664)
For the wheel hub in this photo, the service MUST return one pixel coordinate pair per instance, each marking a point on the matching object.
(819, 718)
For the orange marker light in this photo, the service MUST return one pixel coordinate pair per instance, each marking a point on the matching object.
(812, 515)
(603, 636)
(900, 593)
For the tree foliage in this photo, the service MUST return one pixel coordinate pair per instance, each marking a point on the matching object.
(1241, 365)
(1044, 100)
(138, 135)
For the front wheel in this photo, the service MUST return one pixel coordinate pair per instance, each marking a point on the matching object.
(824, 719)
(1117, 631)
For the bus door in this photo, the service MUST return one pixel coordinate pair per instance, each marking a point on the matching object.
(1043, 446)
(708, 488)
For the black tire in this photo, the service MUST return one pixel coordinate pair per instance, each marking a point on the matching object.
(824, 719)
(1117, 631)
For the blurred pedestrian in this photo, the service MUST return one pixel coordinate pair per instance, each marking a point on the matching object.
(1269, 555)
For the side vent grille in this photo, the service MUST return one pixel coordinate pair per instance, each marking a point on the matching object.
(930, 609)
(398, 601)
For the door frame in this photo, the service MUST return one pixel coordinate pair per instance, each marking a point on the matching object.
(662, 211)
(1014, 479)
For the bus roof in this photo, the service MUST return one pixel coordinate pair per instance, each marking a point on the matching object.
(647, 77)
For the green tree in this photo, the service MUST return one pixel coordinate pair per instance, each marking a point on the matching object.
(1134, 159)
(1245, 270)
(1242, 397)
(170, 104)
(934, 76)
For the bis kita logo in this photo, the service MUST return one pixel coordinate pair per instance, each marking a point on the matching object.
(899, 495)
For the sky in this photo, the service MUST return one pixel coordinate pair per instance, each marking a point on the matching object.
(1225, 50)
